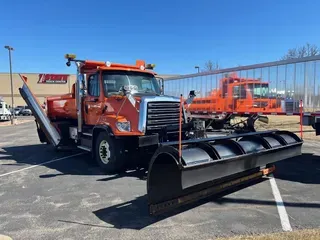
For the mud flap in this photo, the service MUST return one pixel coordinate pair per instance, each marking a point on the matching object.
(206, 163)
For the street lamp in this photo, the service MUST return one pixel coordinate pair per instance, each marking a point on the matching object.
(197, 68)
(12, 101)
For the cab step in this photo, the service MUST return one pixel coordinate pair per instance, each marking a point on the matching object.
(87, 134)
(84, 148)
(86, 142)
(87, 131)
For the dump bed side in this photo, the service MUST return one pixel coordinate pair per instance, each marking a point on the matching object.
(62, 106)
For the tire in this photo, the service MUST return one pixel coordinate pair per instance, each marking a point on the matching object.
(108, 154)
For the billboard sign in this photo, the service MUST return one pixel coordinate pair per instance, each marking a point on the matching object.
(53, 78)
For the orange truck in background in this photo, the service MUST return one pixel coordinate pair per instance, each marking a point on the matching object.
(239, 97)
(237, 94)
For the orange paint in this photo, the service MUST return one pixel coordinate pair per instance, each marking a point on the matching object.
(100, 110)
(269, 170)
(234, 95)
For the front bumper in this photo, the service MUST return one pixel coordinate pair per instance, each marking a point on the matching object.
(4, 117)
(148, 140)
(169, 133)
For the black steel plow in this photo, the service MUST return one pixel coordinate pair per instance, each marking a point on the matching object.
(210, 165)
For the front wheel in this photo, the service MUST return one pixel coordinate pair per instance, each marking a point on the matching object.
(108, 153)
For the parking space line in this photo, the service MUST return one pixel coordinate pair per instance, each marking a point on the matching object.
(286, 226)
(37, 165)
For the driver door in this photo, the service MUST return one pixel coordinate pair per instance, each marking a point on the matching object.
(92, 105)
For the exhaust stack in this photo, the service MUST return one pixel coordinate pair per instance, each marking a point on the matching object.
(50, 131)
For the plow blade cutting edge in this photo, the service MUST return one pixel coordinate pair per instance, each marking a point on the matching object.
(206, 163)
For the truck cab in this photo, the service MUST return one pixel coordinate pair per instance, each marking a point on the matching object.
(5, 113)
(112, 110)
(237, 94)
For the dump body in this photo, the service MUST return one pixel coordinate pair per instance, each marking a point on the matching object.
(62, 107)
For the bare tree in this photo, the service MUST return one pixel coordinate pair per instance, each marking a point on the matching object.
(210, 66)
(306, 50)
(303, 51)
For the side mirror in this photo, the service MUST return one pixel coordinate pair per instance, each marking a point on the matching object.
(192, 95)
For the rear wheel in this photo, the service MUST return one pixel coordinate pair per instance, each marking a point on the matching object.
(109, 154)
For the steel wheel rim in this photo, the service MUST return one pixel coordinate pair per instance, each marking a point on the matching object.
(104, 151)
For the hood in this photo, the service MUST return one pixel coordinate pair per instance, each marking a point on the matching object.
(141, 94)
(158, 97)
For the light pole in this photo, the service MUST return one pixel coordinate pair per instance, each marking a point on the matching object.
(197, 68)
(12, 101)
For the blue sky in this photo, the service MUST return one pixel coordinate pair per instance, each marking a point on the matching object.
(175, 35)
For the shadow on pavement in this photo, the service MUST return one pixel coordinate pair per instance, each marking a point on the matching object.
(303, 169)
(84, 224)
(265, 202)
(135, 214)
(78, 165)
(140, 173)
(129, 215)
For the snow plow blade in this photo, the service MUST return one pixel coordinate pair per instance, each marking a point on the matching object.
(211, 165)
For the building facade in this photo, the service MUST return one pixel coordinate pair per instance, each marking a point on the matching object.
(41, 84)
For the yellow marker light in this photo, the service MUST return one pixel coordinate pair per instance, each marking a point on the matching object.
(70, 56)
(150, 66)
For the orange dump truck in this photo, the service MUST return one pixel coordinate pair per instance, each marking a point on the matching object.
(118, 114)
(237, 94)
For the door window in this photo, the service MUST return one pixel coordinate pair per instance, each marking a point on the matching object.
(93, 85)
(239, 92)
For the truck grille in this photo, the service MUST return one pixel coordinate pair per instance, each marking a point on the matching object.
(291, 106)
(162, 114)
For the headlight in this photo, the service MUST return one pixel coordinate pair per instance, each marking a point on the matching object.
(123, 126)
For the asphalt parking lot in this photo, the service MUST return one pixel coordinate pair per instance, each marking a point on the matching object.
(70, 198)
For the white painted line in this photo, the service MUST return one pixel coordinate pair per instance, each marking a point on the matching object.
(281, 209)
(33, 166)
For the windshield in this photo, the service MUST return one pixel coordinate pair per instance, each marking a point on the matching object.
(259, 90)
(113, 81)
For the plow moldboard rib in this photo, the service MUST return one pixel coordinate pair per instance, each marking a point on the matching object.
(207, 163)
